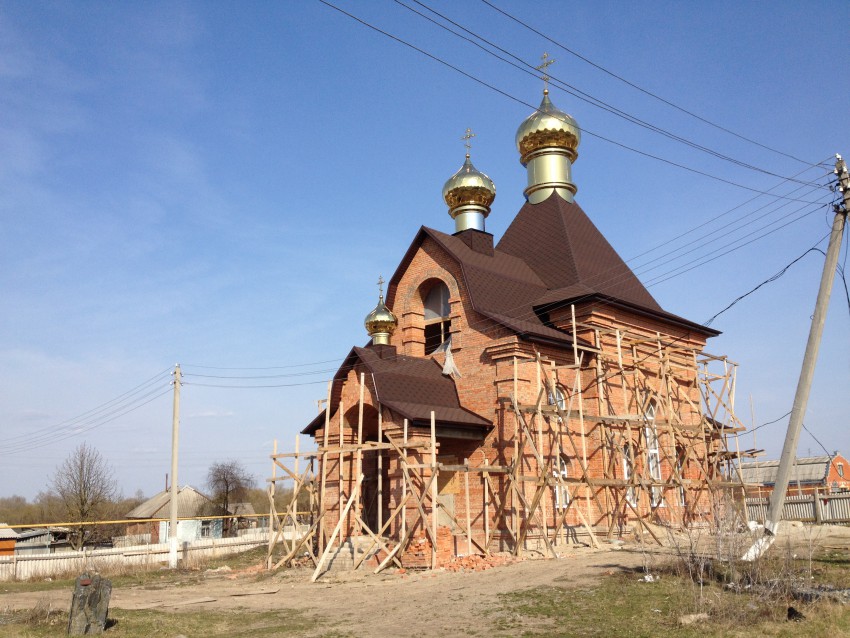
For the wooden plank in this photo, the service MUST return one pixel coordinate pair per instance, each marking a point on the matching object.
(337, 529)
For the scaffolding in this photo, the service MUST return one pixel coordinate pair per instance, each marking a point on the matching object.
(633, 431)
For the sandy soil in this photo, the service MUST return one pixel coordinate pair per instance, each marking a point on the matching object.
(395, 604)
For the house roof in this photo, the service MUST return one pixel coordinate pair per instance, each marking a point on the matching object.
(812, 469)
(242, 509)
(576, 263)
(410, 386)
(190, 502)
(7, 533)
(550, 256)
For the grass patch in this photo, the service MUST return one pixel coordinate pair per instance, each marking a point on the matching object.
(142, 624)
(623, 606)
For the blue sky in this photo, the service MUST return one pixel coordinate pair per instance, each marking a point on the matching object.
(221, 184)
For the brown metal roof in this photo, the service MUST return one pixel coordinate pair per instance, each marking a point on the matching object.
(564, 248)
(551, 254)
(501, 286)
(410, 386)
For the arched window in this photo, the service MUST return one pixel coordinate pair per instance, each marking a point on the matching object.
(437, 312)
(561, 470)
(653, 455)
(559, 398)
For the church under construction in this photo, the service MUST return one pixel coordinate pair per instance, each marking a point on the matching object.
(517, 394)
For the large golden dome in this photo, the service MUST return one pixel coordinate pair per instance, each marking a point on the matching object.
(548, 127)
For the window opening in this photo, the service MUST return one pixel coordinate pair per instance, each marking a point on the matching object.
(840, 469)
(437, 322)
(653, 456)
(562, 494)
(627, 474)
(559, 399)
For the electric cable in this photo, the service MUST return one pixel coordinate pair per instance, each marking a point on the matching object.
(51, 429)
(575, 91)
(527, 104)
(768, 280)
(639, 88)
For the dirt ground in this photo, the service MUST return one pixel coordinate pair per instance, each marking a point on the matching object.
(441, 602)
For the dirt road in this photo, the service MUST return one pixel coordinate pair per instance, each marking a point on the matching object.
(441, 602)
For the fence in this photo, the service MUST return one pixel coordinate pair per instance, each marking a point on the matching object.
(809, 508)
(27, 566)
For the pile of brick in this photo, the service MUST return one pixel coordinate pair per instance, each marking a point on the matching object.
(478, 563)
(418, 552)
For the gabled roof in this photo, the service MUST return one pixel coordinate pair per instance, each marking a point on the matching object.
(242, 509)
(812, 469)
(410, 386)
(551, 255)
(190, 502)
(501, 286)
(7, 533)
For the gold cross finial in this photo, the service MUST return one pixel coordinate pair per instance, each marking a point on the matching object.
(542, 67)
(468, 140)
(380, 285)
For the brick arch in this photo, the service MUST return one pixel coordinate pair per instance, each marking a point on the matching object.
(414, 297)
(412, 321)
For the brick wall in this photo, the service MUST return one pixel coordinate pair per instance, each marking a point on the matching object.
(495, 364)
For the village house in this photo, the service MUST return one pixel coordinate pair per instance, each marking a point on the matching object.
(518, 393)
(8, 536)
(151, 528)
(828, 474)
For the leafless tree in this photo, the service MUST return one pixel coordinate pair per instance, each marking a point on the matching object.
(229, 483)
(85, 484)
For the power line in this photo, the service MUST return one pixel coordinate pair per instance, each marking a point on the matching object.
(768, 280)
(530, 69)
(51, 430)
(639, 88)
(47, 440)
(527, 104)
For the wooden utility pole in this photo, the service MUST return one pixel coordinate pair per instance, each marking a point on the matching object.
(175, 430)
(795, 423)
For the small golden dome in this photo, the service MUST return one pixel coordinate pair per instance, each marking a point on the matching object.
(380, 323)
(469, 186)
(548, 127)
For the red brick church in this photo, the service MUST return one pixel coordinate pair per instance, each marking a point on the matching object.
(518, 393)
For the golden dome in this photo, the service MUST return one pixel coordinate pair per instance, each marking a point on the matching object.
(548, 127)
(380, 323)
(469, 186)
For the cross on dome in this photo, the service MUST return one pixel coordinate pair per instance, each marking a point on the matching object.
(542, 67)
(468, 140)
(380, 285)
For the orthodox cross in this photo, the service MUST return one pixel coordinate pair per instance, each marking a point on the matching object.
(542, 67)
(380, 285)
(468, 140)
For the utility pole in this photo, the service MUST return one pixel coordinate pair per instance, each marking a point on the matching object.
(175, 430)
(795, 423)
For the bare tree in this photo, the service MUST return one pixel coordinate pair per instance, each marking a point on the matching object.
(85, 484)
(229, 483)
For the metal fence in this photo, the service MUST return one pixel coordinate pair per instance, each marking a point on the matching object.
(27, 566)
(809, 508)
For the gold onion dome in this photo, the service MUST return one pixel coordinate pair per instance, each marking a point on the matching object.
(469, 194)
(380, 323)
(547, 142)
(548, 127)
